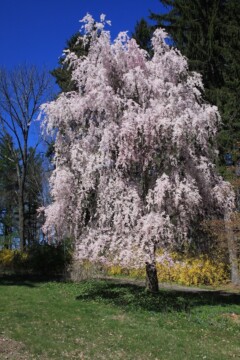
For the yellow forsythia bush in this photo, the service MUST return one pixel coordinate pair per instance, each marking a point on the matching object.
(187, 271)
(199, 271)
(6, 258)
(12, 259)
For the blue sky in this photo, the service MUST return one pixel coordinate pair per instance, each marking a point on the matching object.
(35, 31)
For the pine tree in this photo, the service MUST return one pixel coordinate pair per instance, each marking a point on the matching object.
(8, 190)
(63, 73)
(33, 196)
(143, 34)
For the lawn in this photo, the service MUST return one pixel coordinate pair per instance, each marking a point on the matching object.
(106, 320)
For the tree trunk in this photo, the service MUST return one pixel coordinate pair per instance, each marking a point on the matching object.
(151, 278)
(21, 174)
(7, 232)
(232, 250)
(21, 222)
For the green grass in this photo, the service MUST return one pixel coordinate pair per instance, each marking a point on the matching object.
(106, 320)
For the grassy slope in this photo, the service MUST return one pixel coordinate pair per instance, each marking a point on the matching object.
(103, 320)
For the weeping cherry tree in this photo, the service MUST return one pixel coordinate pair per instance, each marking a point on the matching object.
(134, 152)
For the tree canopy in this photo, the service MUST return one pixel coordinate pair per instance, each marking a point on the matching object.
(135, 151)
(22, 90)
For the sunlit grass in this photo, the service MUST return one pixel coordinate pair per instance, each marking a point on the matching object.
(105, 320)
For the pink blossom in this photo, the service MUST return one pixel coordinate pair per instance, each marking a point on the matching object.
(134, 165)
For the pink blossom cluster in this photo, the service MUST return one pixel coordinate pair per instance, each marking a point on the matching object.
(134, 155)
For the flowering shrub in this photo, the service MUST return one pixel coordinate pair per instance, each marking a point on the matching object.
(185, 271)
(200, 271)
(11, 260)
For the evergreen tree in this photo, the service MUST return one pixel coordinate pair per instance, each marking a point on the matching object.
(143, 34)
(63, 72)
(8, 190)
(33, 197)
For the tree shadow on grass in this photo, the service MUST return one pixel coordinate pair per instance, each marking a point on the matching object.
(131, 296)
(28, 280)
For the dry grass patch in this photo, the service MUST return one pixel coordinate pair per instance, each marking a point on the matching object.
(13, 350)
(233, 317)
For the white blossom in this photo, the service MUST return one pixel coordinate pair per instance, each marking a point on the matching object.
(134, 168)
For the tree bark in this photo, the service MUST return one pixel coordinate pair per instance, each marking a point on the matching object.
(7, 231)
(151, 278)
(21, 222)
(232, 250)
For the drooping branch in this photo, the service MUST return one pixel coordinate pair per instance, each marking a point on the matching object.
(132, 153)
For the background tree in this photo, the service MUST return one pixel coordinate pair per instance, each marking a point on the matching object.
(21, 93)
(207, 32)
(8, 190)
(34, 195)
(143, 34)
(134, 153)
(63, 72)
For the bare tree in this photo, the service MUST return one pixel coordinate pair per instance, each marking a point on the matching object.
(22, 91)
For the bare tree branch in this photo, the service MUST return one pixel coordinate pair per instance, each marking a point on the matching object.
(22, 91)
